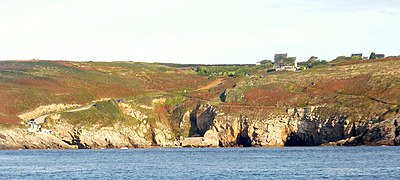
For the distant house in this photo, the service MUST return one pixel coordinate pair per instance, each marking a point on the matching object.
(357, 55)
(380, 56)
(376, 56)
(283, 62)
(35, 125)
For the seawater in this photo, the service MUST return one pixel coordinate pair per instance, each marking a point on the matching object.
(204, 163)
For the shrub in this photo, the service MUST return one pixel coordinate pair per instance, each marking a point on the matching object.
(174, 100)
(372, 56)
(231, 71)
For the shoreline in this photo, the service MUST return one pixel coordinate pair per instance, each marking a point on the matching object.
(160, 147)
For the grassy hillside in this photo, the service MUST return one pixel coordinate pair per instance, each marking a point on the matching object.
(363, 88)
(104, 112)
(356, 87)
(25, 85)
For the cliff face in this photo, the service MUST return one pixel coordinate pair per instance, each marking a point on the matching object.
(52, 104)
(302, 127)
(206, 126)
(19, 138)
(126, 127)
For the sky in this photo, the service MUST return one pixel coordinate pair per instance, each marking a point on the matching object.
(196, 31)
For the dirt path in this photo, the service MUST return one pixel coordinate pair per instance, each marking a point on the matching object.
(82, 108)
(212, 84)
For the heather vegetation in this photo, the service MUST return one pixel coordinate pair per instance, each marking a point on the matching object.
(356, 86)
(25, 85)
(127, 104)
(344, 82)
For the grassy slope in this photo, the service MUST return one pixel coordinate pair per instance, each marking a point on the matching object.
(25, 85)
(366, 88)
(104, 113)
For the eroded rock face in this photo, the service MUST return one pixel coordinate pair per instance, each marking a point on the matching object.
(376, 132)
(302, 127)
(128, 110)
(206, 127)
(201, 119)
(18, 138)
(103, 137)
(162, 136)
(243, 131)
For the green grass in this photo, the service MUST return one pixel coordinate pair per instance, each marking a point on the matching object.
(26, 85)
(174, 100)
(231, 71)
(105, 113)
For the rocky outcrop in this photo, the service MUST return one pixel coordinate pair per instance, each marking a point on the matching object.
(130, 111)
(162, 136)
(210, 139)
(205, 126)
(308, 126)
(20, 138)
(201, 119)
(116, 136)
(243, 131)
(376, 132)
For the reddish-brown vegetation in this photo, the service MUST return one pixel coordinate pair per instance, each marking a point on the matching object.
(27, 85)
(269, 95)
(356, 84)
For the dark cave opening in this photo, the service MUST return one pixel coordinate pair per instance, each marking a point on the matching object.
(200, 122)
(243, 141)
(296, 140)
(222, 96)
(193, 131)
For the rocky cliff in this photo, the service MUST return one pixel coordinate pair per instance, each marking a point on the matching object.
(209, 127)
(301, 127)
(60, 104)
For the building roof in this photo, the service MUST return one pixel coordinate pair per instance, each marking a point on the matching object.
(41, 119)
(356, 54)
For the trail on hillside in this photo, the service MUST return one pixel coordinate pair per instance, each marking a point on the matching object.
(212, 84)
(82, 108)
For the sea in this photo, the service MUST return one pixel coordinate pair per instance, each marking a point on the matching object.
(362, 162)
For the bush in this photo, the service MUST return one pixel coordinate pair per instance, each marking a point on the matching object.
(372, 56)
(231, 71)
(174, 100)
(317, 63)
